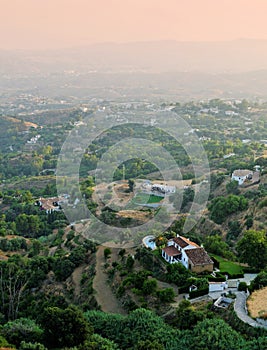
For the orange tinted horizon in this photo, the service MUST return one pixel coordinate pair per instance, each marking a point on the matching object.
(41, 24)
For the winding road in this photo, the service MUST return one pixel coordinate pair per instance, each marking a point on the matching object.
(240, 308)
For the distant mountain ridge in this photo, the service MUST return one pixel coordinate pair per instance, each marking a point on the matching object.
(164, 69)
(158, 56)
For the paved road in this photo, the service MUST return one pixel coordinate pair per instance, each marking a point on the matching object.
(240, 308)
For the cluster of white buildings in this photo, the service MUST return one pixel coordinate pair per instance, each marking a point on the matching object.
(164, 189)
(243, 176)
(34, 140)
(158, 189)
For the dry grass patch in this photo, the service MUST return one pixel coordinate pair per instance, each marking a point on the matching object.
(257, 303)
(135, 214)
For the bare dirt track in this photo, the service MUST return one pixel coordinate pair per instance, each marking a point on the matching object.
(104, 295)
(76, 279)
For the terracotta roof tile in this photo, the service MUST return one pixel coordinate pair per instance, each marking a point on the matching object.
(184, 242)
(180, 241)
(171, 251)
(242, 172)
(198, 256)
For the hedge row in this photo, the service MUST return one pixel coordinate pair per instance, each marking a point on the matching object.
(216, 279)
(198, 293)
(183, 289)
(234, 275)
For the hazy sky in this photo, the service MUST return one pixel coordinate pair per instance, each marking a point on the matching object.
(64, 23)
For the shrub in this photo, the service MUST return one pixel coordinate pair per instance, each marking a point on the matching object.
(235, 275)
(220, 278)
(197, 293)
(22, 329)
(263, 203)
(31, 346)
(166, 295)
(64, 327)
(149, 286)
(242, 287)
(107, 253)
(3, 342)
(259, 282)
(183, 289)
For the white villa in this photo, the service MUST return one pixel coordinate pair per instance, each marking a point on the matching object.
(164, 189)
(242, 175)
(51, 204)
(158, 189)
(192, 256)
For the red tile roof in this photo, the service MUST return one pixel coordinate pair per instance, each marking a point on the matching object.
(171, 251)
(184, 242)
(198, 256)
(180, 241)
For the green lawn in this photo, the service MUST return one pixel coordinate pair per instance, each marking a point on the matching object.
(228, 266)
(143, 198)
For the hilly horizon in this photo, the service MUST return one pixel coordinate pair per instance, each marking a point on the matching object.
(156, 56)
(179, 70)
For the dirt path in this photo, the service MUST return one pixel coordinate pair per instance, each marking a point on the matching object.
(52, 251)
(178, 297)
(76, 278)
(104, 295)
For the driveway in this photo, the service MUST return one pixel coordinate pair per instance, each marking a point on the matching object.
(240, 308)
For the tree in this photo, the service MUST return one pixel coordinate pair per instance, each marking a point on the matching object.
(4, 343)
(252, 248)
(186, 316)
(63, 268)
(149, 286)
(256, 344)
(233, 187)
(129, 262)
(242, 286)
(13, 283)
(139, 326)
(148, 345)
(259, 281)
(216, 181)
(234, 229)
(166, 295)
(107, 253)
(122, 253)
(28, 225)
(215, 334)
(64, 327)
(188, 196)
(221, 207)
(31, 346)
(131, 185)
(249, 222)
(22, 329)
(96, 342)
(214, 244)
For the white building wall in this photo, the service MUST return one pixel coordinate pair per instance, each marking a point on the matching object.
(217, 287)
(239, 179)
(184, 259)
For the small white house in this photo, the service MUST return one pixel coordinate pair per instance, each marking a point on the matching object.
(217, 286)
(242, 175)
(164, 189)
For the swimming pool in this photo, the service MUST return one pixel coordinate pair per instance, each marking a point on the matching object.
(149, 242)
